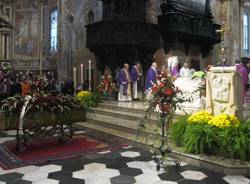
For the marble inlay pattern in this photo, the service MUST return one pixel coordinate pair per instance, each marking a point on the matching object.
(130, 154)
(236, 179)
(193, 175)
(126, 165)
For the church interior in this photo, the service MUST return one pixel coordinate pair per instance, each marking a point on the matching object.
(124, 91)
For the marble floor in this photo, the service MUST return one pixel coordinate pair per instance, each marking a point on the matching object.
(126, 165)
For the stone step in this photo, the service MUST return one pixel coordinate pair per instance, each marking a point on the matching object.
(123, 114)
(122, 124)
(139, 107)
(141, 138)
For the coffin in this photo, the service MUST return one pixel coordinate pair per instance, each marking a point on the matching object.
(41, 119)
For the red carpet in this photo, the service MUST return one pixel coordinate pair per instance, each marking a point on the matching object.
(52, 148)
(49, 150)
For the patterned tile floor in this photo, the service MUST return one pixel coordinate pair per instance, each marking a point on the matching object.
(124, 166)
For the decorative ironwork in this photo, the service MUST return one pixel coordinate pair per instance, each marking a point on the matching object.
(61, 131)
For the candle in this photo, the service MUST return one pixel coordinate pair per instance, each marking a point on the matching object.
(89, 75)
(222, 50)
(81, 73)
(74, 75)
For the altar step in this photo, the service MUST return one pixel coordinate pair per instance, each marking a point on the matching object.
(122, 120)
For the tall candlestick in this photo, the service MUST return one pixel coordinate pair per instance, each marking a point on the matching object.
(74, 75)
(89, 75)
(81, 74)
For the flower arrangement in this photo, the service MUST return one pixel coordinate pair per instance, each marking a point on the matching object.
(162, 97)
(106, 87)
(42, 109)
(88, 99)
(40, 102)
(164, 94)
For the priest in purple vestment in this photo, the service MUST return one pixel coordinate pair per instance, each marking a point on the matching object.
(243, 73)
(124, 83)
(151, 76)
(135, 77)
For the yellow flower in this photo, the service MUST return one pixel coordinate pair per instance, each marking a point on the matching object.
(83, 94)
(200, 117)
(224, 120)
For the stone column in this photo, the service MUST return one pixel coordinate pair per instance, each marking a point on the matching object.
(228, 14)
(64, 65)
(41, 37)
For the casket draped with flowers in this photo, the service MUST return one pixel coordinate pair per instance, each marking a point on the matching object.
(40, 114)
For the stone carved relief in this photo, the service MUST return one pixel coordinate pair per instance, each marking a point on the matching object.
(221, 89)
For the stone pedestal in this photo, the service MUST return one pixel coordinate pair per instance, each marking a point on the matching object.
(225, 91)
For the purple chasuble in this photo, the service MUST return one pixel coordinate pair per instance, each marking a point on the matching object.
(123, 80)
(151, 77)
(243, 73)
(134, 74)
(174, 71)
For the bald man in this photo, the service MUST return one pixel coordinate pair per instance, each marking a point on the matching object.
(151, 76)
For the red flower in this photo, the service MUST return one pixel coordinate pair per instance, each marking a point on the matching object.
(161, 85)
(168, 92)
(155, 89)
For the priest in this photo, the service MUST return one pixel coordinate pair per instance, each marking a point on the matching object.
(186, 71)
(151, 76)
(135, 77)
(124, 83)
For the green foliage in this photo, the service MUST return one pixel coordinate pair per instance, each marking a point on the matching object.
(235, 142)
(200, 139)
(177, 130)
(90, 100)
(229, 142)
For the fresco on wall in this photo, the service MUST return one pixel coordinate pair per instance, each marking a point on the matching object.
(26, 30)
(26, 37)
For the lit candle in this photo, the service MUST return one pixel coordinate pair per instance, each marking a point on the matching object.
(222, 50)
(81, 73)
(74, 75)
(89, 75)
